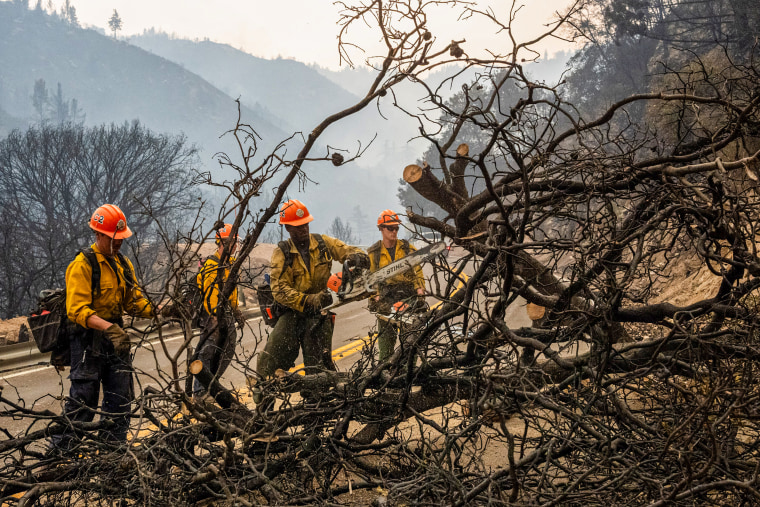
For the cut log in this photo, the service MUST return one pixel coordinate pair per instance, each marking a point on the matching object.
(424, 182)
(457, 170)
(412, 173)
(420, 401)
(316, 382)
(223, 397)
(535, 312)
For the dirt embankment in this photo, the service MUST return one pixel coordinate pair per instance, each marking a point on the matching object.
(10, 331)
(688, 280)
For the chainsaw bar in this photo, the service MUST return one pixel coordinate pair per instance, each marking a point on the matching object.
(362, 287)
(405, 263)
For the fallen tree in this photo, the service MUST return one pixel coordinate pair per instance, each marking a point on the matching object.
(623, 391)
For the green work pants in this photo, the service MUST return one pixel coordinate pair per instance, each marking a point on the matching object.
(386, 338)
(294, 330)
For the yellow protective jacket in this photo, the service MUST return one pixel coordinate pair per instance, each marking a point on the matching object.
(206, 280)
(115, 297)
(291, 285)
(413, 277)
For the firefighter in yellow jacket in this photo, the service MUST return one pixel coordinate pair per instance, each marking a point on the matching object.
(100, 349)
(216, 347)
(405, 286)
(299, 283)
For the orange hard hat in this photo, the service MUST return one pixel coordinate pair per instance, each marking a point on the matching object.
(224, 232)
(335, 281)
(294, 212)
(388, 217)
(110, 220)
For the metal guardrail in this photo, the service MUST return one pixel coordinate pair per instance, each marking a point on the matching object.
(18, 355)
(23, 355)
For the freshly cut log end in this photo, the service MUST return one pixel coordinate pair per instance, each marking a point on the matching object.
(196, 367)
(457, 171)
(535, 312)
(425, 183)
(412, 173)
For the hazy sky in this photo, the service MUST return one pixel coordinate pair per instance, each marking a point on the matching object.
(302, 29)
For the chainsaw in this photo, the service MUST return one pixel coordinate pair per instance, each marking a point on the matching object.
(353, 284)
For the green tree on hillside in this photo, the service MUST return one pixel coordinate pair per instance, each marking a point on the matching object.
(114, 22)
(40, 100)
(69, 13)
(55, 108)
(631, 42)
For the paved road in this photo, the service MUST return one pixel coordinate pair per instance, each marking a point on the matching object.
(43, 387)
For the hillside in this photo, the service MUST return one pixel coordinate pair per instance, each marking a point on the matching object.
(188, 87)
(8, 123)
(300, 97)
(289, 90)
(112, 81)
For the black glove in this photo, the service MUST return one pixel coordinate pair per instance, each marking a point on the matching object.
(118, 337)
(418, 304)
(358, 260)
(170, 310)
(315, 302)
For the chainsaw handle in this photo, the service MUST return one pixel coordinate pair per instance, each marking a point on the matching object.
(347, 280)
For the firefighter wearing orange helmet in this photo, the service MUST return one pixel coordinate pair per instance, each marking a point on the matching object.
(100, 349)
(299, 283)
(216, 347)
(402, 287)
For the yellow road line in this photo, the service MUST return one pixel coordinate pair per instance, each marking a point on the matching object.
(339, 353)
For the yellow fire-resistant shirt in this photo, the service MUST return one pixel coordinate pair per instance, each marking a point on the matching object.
(413, 277)
(291, 285)
(207, 282)
(115, 297)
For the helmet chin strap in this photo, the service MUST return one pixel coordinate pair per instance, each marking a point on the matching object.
(111, 240)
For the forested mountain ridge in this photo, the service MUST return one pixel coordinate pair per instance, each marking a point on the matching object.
(114, 81)
(300, 97)
(111, 80)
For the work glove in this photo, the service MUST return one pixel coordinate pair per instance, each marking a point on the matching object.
(169, 310)
(315, 302)
(418, 304)
(358, 260)
(239, 317)
(118, 337)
